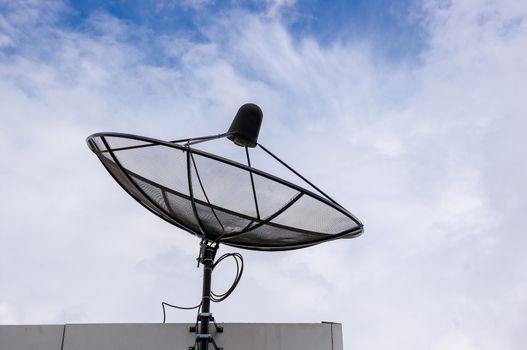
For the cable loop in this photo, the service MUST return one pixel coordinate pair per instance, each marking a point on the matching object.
(217, 298)
(238, 259)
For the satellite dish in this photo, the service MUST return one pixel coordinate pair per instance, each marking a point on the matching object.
(221, 200)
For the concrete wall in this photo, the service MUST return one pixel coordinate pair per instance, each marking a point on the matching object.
(172, 336)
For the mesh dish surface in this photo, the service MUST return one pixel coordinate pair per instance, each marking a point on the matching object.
(212, 197)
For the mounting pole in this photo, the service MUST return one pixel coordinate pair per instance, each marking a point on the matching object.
(208, 253)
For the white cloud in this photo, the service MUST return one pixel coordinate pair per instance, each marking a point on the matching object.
(274, 7)
(429, 156)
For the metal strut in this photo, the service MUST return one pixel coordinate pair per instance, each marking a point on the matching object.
(203, 337)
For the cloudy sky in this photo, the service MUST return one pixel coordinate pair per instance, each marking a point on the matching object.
(412, 114)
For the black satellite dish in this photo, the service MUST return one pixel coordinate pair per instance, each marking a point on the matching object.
(221, 200)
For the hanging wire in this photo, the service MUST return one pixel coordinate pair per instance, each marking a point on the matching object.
(215, 297)
(164, 304)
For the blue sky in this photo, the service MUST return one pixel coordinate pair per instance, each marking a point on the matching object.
(394, 28)
(410, 114)
(325, 20)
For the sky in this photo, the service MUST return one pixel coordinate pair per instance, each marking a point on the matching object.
(411, 114)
